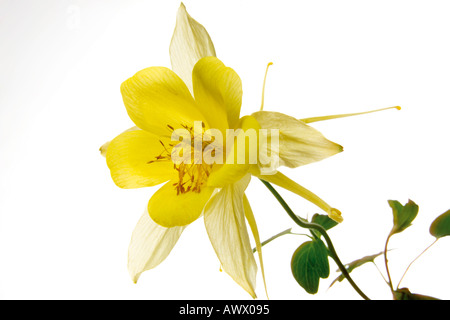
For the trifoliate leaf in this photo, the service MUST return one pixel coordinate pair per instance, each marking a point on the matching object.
(310, 263)
(441, 225)
(403, 215)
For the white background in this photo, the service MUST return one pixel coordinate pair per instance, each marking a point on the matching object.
(64, 225)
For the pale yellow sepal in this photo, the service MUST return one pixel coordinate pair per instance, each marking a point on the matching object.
(150, 244)
(281, 180)
(254, 228)
(190, 42)
(224, 218)
(299, 144)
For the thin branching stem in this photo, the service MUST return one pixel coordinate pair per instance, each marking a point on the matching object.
(415, 260)
(282, 233)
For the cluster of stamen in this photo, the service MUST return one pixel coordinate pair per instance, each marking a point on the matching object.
(192, 173)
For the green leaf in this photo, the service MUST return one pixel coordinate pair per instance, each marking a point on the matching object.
(405, 294)
(441, 225)
(403, 215)
(310, 263)
(357, 263)
(324, 221)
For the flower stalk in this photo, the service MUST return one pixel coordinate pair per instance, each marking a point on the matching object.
(322, 231)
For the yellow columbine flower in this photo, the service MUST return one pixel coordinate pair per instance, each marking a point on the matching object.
(160, 103)
(201, 89)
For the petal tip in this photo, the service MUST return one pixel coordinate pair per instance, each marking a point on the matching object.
(103, 149)
(134, 276)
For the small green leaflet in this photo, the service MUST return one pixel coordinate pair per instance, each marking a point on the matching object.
(403, 215)
(405, 294)
(326, 222)
(441, 225)
(310, 263)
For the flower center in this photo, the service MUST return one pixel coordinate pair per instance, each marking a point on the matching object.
(187, 158)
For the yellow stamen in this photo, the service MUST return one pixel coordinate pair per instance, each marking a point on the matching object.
(336, 116)
(191, 176)
(264, 85)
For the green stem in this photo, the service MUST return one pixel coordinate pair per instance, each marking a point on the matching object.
(322, 231)
(386, 265)
(282, 233)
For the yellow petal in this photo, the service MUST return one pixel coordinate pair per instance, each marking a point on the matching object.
(225, 223)
(169, 209)
(150, 245)
(252, 223)
(157, 99)
(299, 144)
(281, 180)
(129, 159)
(104, 146)
(190, 42)
(241, 155)
(218, 92)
